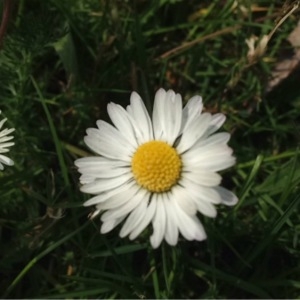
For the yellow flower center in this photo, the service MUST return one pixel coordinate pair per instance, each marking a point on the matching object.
(156, 166)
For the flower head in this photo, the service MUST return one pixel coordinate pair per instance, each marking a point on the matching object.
(4, 138)
(160, 171)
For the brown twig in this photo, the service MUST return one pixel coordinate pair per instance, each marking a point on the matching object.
(7, 7)
(196, 41)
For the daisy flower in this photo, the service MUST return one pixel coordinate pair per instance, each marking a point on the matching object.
(4, 138)
(161, 170)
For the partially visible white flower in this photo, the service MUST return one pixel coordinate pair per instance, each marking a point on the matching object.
(161, 170)
(4, 144)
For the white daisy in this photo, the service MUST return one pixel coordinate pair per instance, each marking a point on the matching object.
(4, 138)
(160, 171)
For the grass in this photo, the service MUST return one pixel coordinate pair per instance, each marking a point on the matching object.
(61, 62)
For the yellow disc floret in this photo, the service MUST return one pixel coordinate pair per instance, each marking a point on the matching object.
(156, 166)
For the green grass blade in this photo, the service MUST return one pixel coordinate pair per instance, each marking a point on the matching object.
(56, 140)
(39, 256)
(275, 228)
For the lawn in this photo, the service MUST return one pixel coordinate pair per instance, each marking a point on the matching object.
(63, 61)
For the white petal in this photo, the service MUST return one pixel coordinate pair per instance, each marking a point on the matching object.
(104, 172)
(103, 185)
(110, 224)
(134, 218)
(207, 209)
(172, 116)
(5, 139)
(4, 150)
(125, 121)
(193, 132)
(214, 161)
(2, 122)
(171, 234)
(106, 195)
(146, 220)
(191, 110)
(219, 163)
(183, 199)
(4, 146)
(117, 199)
(200, 193)
(198, 155)
(189, 226)
(6, 131)
(158, 115)
(215, 139)
(6, 160)
(216, 122)
(99, 198)
(99, 162)
(86, 179)
(119, 117)
(141, 116)
(158, 222)
(111, 132)
(227, 197)
(120, 203)
(202, 177)
(107, 142)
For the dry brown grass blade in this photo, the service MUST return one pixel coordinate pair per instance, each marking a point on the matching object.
(7, 8)
(187, 45)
